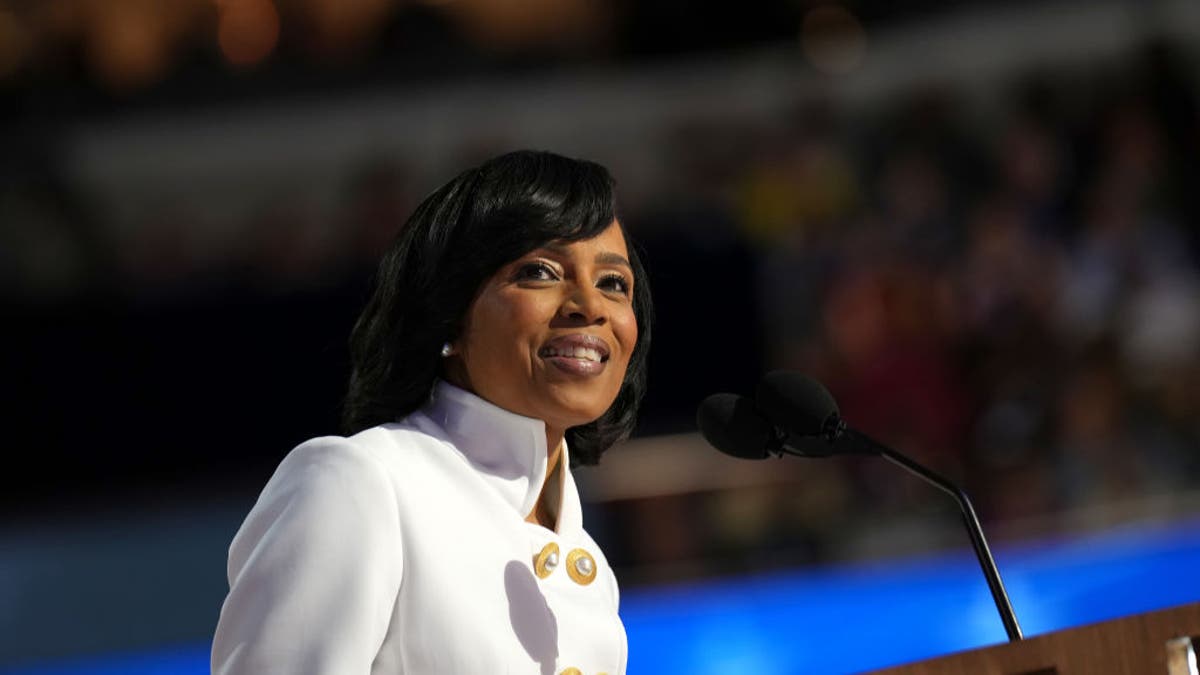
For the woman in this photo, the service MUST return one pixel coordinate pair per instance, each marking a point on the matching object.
(505, 341)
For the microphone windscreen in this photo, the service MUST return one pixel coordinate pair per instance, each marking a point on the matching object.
(733, 425)
(795, 402)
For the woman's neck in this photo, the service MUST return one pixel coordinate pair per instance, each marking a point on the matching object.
(546, 509)
(554, 443)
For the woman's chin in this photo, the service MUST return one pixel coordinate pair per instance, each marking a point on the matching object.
(566, 408)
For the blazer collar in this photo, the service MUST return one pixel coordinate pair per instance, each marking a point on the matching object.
(507, 450)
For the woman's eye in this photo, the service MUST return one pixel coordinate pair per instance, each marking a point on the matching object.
(614, 282)
(536, 272)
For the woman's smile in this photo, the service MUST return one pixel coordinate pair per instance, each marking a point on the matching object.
(576, 354)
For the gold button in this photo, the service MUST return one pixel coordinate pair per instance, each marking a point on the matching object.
(581, 566)
(546, 560)
(571, 671)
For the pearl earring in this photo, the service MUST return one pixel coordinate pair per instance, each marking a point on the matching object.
(446, 349)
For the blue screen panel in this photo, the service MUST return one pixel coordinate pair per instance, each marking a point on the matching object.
(850, 619)
(182, 660)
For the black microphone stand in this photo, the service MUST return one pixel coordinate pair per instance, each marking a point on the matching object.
(835, 429)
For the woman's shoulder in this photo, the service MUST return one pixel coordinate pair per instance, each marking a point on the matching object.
(330, 475)
(415, 429)
(385, 448)
(327, 466)
(404, 440)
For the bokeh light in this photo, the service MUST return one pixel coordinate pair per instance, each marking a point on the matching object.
(833, 39)
(247, 30)
(338, 27)
(503, 25)
(129, 43)
(14, 43)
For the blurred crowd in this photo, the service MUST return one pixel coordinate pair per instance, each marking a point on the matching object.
(1013, 298)
(1010, 292)
(1018, 303)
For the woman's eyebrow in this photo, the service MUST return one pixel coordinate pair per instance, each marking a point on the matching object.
(602, 258)
(610, 258)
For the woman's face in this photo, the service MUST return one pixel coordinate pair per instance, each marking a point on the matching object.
(550, 334)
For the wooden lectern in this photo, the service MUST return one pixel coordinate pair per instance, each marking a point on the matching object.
(1142, 644)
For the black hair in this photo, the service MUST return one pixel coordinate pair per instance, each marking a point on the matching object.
(455, 240)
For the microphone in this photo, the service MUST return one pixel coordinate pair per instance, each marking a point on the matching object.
(733, 425)
(740, 427)
(800, 403)
(736, 426)
(796, 415)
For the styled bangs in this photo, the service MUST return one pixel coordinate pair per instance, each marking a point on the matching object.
(525, 202)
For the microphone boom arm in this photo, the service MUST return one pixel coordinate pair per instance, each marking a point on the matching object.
(866, 445)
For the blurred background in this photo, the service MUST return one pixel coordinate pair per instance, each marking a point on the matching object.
(978, 222)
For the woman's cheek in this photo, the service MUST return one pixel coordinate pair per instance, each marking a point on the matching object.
(627, 331)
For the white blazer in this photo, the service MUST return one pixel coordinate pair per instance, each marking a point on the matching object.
(404, 549)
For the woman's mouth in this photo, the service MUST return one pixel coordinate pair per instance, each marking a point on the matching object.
(578, 354)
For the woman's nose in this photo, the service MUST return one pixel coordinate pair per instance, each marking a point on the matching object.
(585, 305)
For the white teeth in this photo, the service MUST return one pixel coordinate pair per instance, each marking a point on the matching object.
(585, 353)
